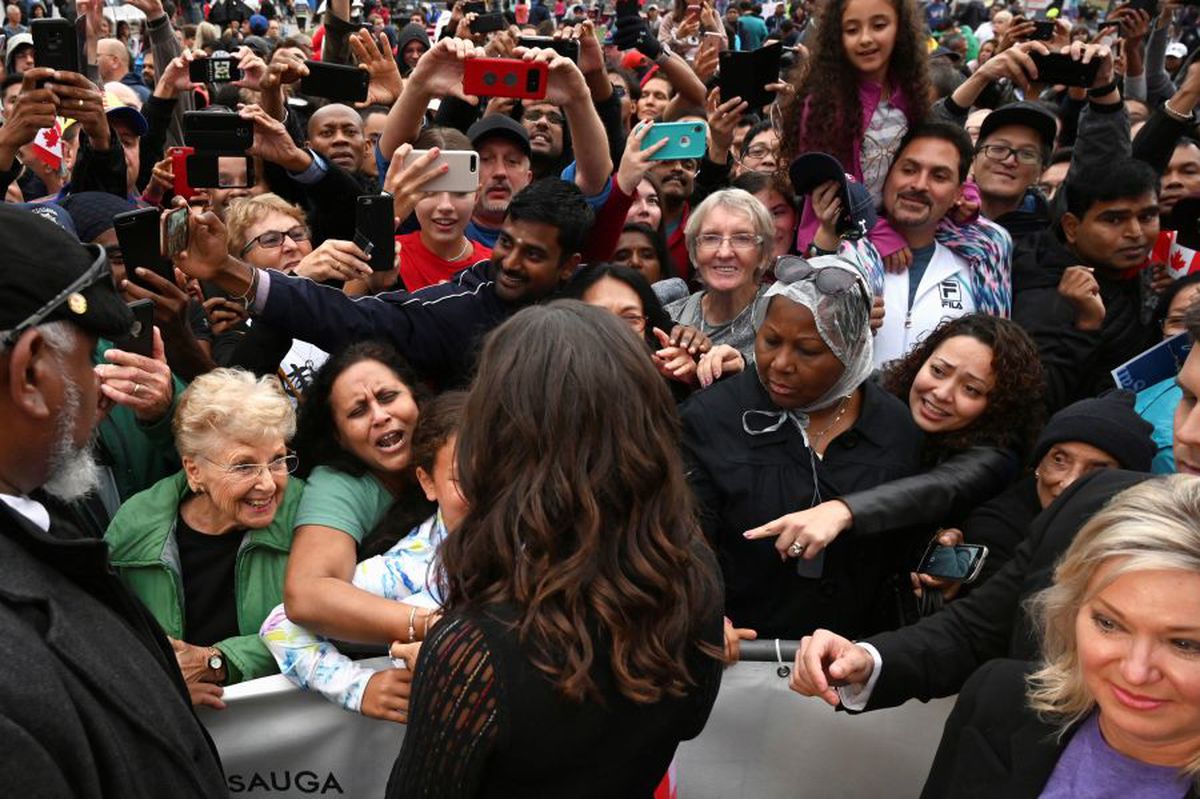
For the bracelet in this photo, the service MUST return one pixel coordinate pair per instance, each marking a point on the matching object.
(1100, 91)
(1175, 115)
(248, 298)
(412, 630)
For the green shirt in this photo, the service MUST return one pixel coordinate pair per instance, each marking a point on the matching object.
(335, 499)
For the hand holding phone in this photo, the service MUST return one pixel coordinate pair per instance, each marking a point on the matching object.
(174, 232)
(216, 69)
(959, 563)
(505, 77)
(336, 82)
(1059, 69)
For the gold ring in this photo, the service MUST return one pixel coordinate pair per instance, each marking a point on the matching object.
(136, 388)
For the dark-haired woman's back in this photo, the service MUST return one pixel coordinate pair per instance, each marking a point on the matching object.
(490, 709)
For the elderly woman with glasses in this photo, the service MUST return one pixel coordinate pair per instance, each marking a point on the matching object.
(268, 232)
(206, 549)
(801, 424)
(730, 240)
(1112, 705)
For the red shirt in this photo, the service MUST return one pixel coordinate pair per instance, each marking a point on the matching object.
(420, 268)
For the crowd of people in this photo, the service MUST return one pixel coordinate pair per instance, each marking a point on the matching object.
(672, 370)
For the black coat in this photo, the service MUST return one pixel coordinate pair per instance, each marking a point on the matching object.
(743, 481)
(994, 745)
(936, 656)
(1001, 524)
(91, 700)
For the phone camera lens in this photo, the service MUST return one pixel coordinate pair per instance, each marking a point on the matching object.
(489, 79)
(510, 79)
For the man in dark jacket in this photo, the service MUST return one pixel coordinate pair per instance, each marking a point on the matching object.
(91, 699)
(1076, 288)
(412, 42)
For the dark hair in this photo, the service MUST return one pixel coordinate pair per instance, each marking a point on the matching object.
(10, 80)
(943, 131)
(652, 309)
(1116, 180)
(441, 418)
(678, 112)
(555, 202)
(1168, 296)
(445, 138)
(316, 432)
(945, 77)
(591, 535)
(1192, 321)
(1062, 155)
(827, 85)
(653, 180)
(658, 241)
(375, 108)
(631, 80)
(1013, 414)
(755, 129)
(754, 182)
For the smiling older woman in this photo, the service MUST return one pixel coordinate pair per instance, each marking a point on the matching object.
(205, 549)
(1113, 707)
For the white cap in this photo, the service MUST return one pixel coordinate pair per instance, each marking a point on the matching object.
(1177, 50)
(17, 41)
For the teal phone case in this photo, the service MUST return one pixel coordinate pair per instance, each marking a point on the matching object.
(686, 140)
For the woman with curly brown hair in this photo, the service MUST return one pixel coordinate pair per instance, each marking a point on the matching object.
(581, 634)
(973, 386)
(865, 84)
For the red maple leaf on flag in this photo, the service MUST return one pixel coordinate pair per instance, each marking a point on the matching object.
(1178, 264)
(50, 137)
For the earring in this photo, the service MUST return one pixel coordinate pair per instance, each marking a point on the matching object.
(1037, 475)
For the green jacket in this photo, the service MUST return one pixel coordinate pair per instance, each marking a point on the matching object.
(142, 547)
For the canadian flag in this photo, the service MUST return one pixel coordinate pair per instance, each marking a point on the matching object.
(47, 145)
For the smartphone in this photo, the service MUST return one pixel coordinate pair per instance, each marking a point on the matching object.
(741, 74)
(336, 82)
(139, 233)
(375, 230)
(685, 140)
(141, 336)
(627, 9)
(55, 44)
(214, 70)
(217, 132)
(1043, 30)
(206, 171)
(174, 232)
(1149, 6)
(564, 47)
(474, 8)
(505, 77)
(961, 563)
(463, 175)
(487, 23)
(1059, 69)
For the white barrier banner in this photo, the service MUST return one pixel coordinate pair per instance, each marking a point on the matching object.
(761, 741)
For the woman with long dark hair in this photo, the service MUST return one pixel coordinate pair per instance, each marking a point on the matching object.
(581, 633)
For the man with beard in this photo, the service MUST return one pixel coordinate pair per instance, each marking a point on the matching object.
(924, 184)
(91, 697)
(678, 180)
(504, 151)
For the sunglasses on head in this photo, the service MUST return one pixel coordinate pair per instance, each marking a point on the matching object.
(829, 280)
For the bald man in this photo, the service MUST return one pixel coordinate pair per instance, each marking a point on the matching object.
(335, 132)
(113, 61)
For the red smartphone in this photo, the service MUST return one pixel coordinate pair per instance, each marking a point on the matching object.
(179, 157)
(505, 77)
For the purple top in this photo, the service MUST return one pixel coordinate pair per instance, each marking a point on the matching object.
(1090, 767)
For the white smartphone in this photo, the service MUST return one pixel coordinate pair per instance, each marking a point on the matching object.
(463, 175)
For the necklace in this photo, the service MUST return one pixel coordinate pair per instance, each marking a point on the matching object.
(837, 418)
(463, 252)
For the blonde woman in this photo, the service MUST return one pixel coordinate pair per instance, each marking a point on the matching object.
(1112, 709)
(205, 549)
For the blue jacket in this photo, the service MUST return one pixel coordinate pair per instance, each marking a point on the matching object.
(1156, 405)
(437, 329)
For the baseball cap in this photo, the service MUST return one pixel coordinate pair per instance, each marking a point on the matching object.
(499, 125)
(858, 212)
(49, 276)
(1177, 50)
(1026, 114)
(117, 111)
(17, 41)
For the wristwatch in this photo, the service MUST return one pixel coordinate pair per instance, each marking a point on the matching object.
(215, 661)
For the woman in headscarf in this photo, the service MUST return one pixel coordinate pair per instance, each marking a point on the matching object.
(802, 425)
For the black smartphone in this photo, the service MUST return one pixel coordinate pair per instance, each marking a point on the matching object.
(1149, 6)
(55, 44)
(564, 47)
(174, 235)
(627, 9)
(214, 70)
(336, 82)
(138, 234)
(487, 23)
(141, 336)
(207, 171)
(375, 230)
(1059, 69)
(217, 132)
(1043, 30)
(961, 563)
(741, 74)
(474, 8)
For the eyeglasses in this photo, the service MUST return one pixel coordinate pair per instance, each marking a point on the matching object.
(998, 152)
(245, 472)
(551, 117)
(829, 280)
(758, 152)
(738, 241)
(634, 319)
(97, 272)
(274, 238)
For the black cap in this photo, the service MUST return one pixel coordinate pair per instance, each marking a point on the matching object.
(1030, 115)
(41, 260)
(499, 125)
(858, 212)
(943, 52)
(1109, 423)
